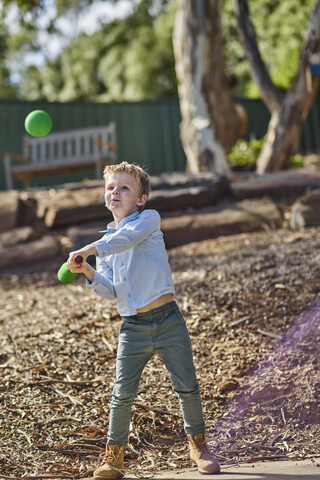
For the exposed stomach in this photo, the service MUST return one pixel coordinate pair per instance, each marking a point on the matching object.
(158, 302)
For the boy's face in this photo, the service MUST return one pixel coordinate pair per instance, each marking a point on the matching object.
(122, 195)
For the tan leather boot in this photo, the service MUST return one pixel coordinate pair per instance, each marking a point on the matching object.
(201, 455)
(112, 464)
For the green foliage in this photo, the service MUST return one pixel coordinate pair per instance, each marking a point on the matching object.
(280, 27)
(245, 153)
(6, 88)
(128, 59)
(297, 161)
(132, 58)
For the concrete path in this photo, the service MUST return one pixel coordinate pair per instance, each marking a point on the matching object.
(296, 470)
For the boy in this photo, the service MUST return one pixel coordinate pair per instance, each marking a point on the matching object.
(132, 266)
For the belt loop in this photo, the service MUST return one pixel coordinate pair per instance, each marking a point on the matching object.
(129, 319)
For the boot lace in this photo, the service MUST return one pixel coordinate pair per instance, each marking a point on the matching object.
(109, 457)
(200, 445)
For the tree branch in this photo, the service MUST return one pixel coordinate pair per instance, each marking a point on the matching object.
(312, 38)
(311, 45)
(271, 95)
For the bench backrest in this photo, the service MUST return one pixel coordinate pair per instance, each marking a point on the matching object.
(72, 146)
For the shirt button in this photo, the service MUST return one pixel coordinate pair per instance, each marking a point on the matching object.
(129, 295)
(124, 279)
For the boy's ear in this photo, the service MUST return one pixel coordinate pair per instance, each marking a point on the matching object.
(142, 200)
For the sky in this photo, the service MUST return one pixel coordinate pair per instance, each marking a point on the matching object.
(99, 11)
(86, 22)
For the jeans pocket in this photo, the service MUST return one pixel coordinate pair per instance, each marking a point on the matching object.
(180, 316)
(125, 326)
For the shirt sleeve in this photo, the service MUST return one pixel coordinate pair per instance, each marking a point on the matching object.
(130, 234)
(102, 283)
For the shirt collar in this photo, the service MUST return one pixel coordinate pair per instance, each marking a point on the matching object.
(111, 228)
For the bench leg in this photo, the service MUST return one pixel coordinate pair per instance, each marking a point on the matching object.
(7, 171)
(98, 169)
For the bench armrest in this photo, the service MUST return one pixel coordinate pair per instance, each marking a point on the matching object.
(104, 143)
(14, 156)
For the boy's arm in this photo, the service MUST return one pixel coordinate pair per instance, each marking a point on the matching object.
(101, 282)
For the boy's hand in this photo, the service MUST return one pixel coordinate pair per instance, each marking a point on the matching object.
(83, 267)
(84, 253)
(75, 262)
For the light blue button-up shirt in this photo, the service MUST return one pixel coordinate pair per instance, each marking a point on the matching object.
(132, 263)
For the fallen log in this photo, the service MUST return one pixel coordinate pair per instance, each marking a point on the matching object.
(18, 235)
(34, 255)
(27, 213)
(176, 180)
(164, 181)
(305, 211)
(60, 208)
(183, 198)
(9, 203)
(287, 185)
(245, 216)
(179, 229)
(80, 236)
(63, 208)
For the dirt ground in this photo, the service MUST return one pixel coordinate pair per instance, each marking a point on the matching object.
(252, 305)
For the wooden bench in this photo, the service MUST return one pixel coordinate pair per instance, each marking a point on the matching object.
(62, 152)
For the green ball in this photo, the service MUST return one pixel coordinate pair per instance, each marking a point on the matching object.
(38, 123)
(64, 275)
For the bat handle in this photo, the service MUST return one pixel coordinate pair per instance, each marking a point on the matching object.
(78, 259)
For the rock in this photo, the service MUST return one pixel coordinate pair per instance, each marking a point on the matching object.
(306, 210)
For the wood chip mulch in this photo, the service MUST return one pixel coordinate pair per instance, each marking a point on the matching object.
(252, 305)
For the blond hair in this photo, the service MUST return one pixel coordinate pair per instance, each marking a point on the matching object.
(142, 178)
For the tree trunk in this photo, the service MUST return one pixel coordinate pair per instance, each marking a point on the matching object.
(288, 110)
(211, 121)
(284, 130)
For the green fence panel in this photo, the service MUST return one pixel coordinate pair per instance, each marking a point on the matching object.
(310, 136)
(258, 117)
(147, 132)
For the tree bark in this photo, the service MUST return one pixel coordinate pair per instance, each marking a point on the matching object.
(288, 110)
(285, 126)
(211, 121)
